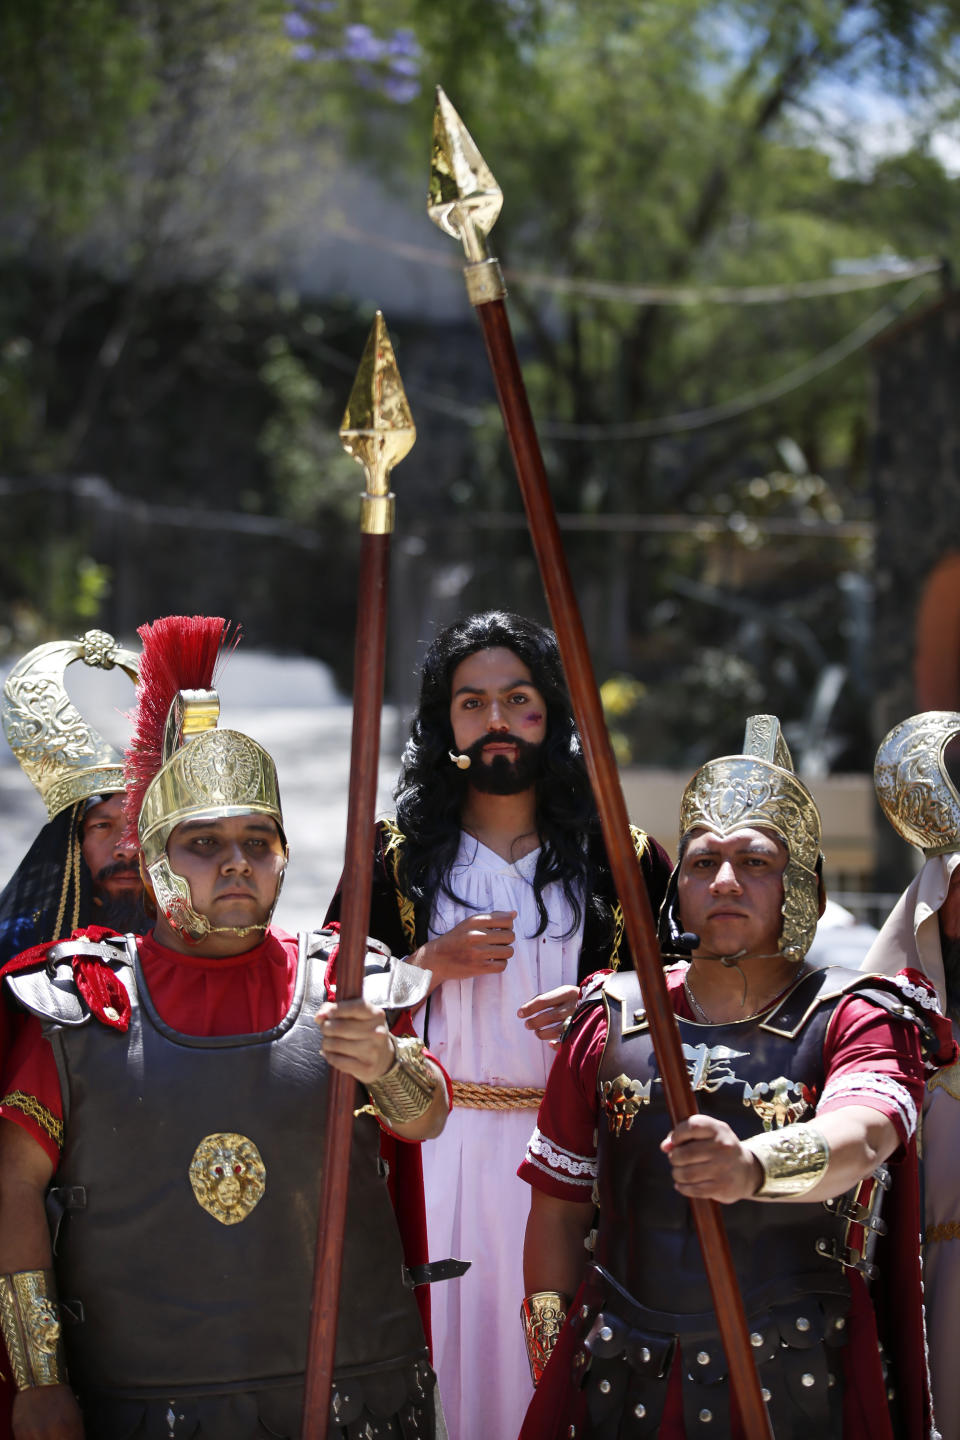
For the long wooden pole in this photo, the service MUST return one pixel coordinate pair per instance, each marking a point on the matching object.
(378, 430)
(465, 209)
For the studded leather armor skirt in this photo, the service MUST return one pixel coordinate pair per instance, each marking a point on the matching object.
(625, 1353)
(393, 1403)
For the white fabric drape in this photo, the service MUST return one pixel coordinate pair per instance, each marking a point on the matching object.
(910, 938)
(476, 1206)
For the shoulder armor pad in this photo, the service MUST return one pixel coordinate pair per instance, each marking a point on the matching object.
(590, 997)
(388, 982)
(49, 990)
(829, 983)
(395, 985)
(320, 943)
(622, 985)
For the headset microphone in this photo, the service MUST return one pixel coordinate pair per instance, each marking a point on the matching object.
(462, 762)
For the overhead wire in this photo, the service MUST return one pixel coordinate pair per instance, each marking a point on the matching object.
(683, 421)
(891, 273)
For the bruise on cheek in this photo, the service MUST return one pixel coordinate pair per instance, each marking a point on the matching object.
(533, 718)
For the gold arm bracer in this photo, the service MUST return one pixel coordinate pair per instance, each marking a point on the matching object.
(794, 1159)
(406, 1091)
(542, 1314)
(30, 1320)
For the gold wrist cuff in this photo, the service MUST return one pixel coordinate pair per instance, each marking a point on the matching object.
(793, 1159)
(543, 1314)
(406, 1091)
(30, 1320)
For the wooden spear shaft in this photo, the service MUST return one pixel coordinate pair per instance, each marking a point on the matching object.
(638, 920)
(378, 430)
(364, 757)
(465, 202)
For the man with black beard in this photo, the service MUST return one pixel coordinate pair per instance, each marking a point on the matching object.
(493, 876)
(111, 855)
(71, 876)
(79, 871)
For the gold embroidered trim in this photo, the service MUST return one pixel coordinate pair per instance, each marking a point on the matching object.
(472, 1095)
(949, 1230)
(30, 1105)
(639, 838)
(391, 850)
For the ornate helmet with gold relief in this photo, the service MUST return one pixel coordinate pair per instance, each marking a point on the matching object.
(60, 752)
(914, 789)
(760, 788)
(180, 766)
(50, 894)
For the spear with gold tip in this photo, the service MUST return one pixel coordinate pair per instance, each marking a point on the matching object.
(465, 201)
(378, 431)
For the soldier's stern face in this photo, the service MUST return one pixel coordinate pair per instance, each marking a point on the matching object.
(233, 865)
(730, 891)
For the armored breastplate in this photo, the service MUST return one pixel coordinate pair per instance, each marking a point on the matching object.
(648, 1294)
(190, 1175)
(750, 1078)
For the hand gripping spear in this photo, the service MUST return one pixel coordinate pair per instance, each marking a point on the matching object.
(465, 201)
(378, 431)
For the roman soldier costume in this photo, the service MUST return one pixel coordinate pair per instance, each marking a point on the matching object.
(186, 1118)
(921, 802)
(639, 1354)
(72, 767)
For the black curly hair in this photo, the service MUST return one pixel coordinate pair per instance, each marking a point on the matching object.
(430, 791)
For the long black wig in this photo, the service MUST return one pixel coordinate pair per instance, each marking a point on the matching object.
(431, 790)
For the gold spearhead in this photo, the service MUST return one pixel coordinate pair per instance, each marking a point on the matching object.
(377, 428)
(464, 199)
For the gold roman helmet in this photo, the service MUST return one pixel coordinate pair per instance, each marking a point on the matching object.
(913, 787)
(62, 755)
(196, 772)
(760, 788)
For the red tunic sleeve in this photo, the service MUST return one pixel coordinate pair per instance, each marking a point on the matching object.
(31, 1087)
(873, 1059)
(561, 1158)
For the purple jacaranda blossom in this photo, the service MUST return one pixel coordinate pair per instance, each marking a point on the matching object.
(403, 65)
(399, 90)
(304, 52)
(403, 42)
(296, 27)
(360, 43)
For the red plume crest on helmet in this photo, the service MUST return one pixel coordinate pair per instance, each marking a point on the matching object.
(180, 652)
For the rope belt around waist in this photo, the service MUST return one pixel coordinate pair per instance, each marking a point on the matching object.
(471, 1095)
(950, 1230)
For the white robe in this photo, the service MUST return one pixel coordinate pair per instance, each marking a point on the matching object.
(476, 1206)
(910, 937)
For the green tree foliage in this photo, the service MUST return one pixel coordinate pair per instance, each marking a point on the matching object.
(161, 159)
(706, 145)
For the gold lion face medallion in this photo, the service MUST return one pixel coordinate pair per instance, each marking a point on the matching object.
(228, 1177)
